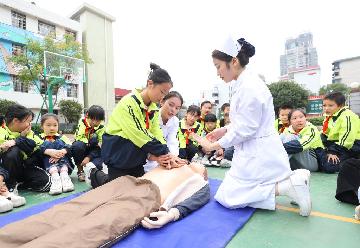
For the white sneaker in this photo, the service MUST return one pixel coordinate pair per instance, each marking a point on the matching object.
(56, 186)
(16, 200)
(87, 170)
(297, 188)
(357, 213)
(5, 204)
(225, 163)
(66, 182)
(305, 173)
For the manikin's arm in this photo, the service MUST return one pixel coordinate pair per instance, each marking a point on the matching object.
(179, 211)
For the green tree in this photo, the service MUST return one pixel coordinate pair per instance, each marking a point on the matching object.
(289, 93)
(337, 87)
(4, 104)
(30, 62)
(71, 110)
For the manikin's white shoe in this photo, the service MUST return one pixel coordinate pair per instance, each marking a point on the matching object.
(16, 200)
(297, 188)
(56, 186)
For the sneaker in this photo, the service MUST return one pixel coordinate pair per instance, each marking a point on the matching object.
(81, 176)
(87, 171)
(196, 159)
(5, 204)
(225, 163)
(16, 200)
(56, 186)
(67, 185)
(215, 161)
(357, 213)
(305, 173)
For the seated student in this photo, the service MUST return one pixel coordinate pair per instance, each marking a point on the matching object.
(214, 158)
(108, 213)
(20, 158)
(188, 125)
(348, 184)
(225, 109)
(282, 122)
(57, 157)
(88, 139)
(169, 124)
(302, 142)
(340, 133)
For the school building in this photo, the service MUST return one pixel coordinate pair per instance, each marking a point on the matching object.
(20, 20)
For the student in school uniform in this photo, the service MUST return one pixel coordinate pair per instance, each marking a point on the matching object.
(88, 138)
(188, 125)
(260, 169)
(283, 122)
(302, 142)
(133, 133)
(340, 132)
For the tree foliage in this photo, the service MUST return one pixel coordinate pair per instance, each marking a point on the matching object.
(30, 62)
(71, 110)
(288, 93)
(4, 104)
(337, 87)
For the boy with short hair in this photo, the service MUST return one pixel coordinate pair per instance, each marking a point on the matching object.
(340, 133)
(88, 139)
(283, 122)
(188, 125)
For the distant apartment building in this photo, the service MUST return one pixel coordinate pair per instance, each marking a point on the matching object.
(299, 63)
(346, 71)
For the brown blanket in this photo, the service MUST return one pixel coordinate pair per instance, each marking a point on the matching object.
(96, 218)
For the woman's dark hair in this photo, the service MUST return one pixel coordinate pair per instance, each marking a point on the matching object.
(205, 102)
(17, 111)
(247, 51)
(337, 97)
(159, 75)
(210, 118)
(96, 112)
(48, 116)
(294, 110)
(194, 110)
(173, 94)
(225, 105)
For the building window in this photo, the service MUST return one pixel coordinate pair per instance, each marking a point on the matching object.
(17, 49)
(18, 85)
(18, 20)
(72, 90)
(71, 33)
(46, 29)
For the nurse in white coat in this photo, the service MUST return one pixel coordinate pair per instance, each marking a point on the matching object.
(260, 167)
(169, 124)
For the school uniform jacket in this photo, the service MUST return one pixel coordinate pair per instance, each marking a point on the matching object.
(28, 145)
(279, 126)
(260, 159)
(308, 138)
(132, 133)
(87, 134)
(65, 140)
(184, 133)
(340, 131)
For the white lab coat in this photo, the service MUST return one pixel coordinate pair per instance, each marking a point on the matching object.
(260, 159)
(169, 130)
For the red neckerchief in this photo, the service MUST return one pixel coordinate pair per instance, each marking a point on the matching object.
(326, 124)
(283, 127)
(50, 138)
(187, 133)
(147, 119)
(88, 129)
(3, 125)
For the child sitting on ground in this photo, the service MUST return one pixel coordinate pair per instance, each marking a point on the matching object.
(340, 133)
(57, 158)
(302, 142)
(88, 139)
(215, 158)
(282, 122)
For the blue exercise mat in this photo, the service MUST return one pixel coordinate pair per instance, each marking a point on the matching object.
(211, 226)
